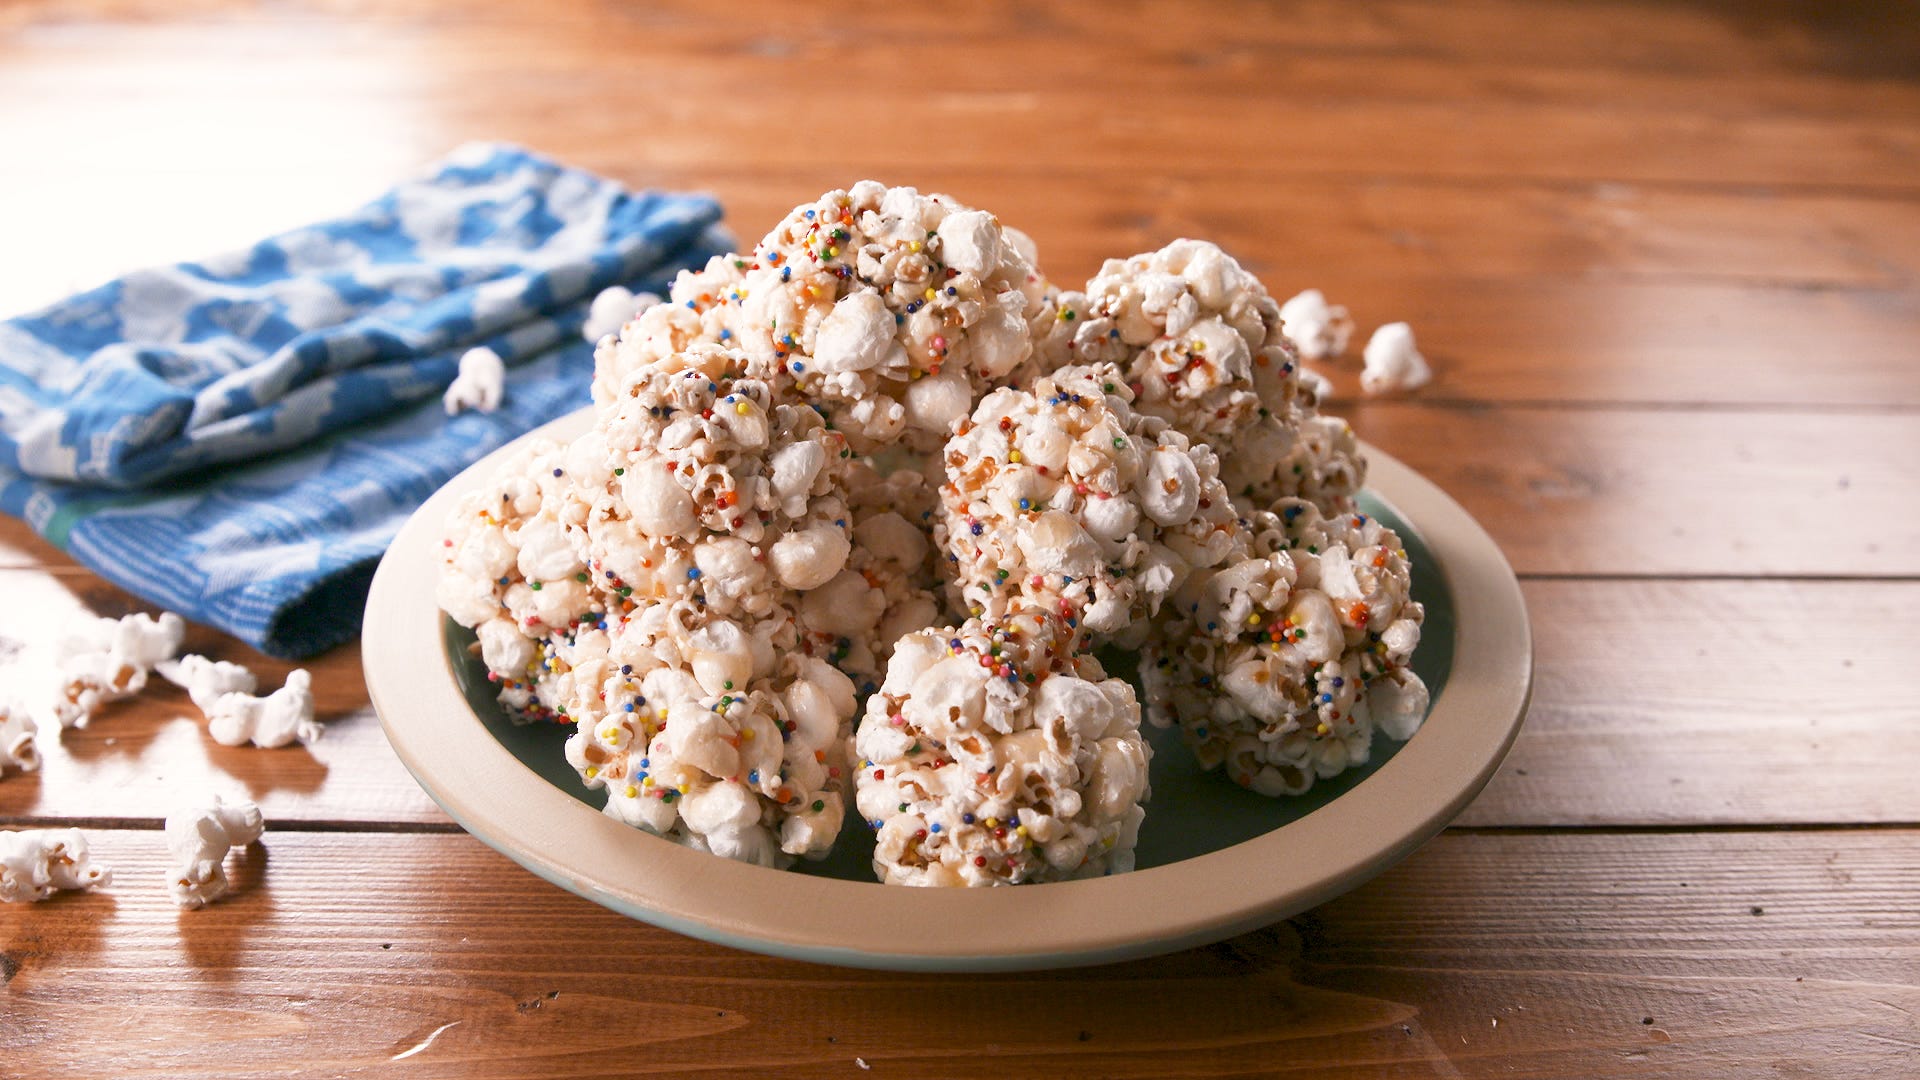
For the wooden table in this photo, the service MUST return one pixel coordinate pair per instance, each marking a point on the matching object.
(1664, 260)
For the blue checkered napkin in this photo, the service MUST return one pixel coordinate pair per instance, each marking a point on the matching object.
(238, 439)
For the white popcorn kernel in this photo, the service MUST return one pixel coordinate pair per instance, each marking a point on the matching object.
(939, 402)
(199, 838)
(809, 558)
(659, 505)
(206, 681)
(970, 241)
(1398, 702)
(503, 648)
(17, 731)
(37, 862)
(856, 336)
(612, 309)
(480, 385)
(1317, 329)
(280, 718)
(1392, 362)
(1171, 491)
(109, 661)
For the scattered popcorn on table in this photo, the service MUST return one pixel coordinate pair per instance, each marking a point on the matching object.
(881, 420)
(613, 309)
(481, 384)
(35, 863)
(199, 839)
(17, 731)
(109, 661)
(1317, 329)
(280, 718)
(1392, 363)
(206, 681)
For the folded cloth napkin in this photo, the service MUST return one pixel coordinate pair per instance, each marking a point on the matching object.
(238, 439)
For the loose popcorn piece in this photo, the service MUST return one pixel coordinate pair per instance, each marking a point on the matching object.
(206, 681)
(1282, 664)
(1315, 385)
(35, 863)
(1063, 494)
(109, 661)
(481, 384)
(613, 309)
(17, 730)
(282, 717)
(199, 839)
(1317, 329)
(1392, 363)
(992, 756)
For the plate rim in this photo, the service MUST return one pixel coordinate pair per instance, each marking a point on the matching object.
(1409, 799)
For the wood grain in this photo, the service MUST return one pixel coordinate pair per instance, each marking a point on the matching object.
(139, 759)
(1638, 492)
(1663, 257)
(1522, 956)
(1681, 703)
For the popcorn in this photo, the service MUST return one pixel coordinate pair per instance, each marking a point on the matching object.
(17, 729)
(1062, 493)
(852, 302)
(1280, 665)
(481, 383)
(613, 309)
(1392, 363)
(206, 681)
(1318, 330)
(198, 839)
(993, 757)
(109, 661)
(1203, 348)
(284, 716)
(35, 863)
(743, 755)
(707, 582)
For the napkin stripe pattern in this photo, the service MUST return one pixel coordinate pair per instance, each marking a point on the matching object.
(237, 439)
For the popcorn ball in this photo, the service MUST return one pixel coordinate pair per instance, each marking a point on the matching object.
(1064, 494)
(1202, 346)
(1280, 665)
(890, 310)
(992, 755)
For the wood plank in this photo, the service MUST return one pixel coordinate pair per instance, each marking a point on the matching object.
(1656, 703)
(1715, 702)
(1510, 955)
(1726, 62)
(1654, 492)
(141, 758)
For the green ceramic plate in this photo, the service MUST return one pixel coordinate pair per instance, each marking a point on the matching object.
(1214, 859)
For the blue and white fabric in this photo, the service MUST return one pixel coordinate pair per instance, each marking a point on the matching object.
(238, 439)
